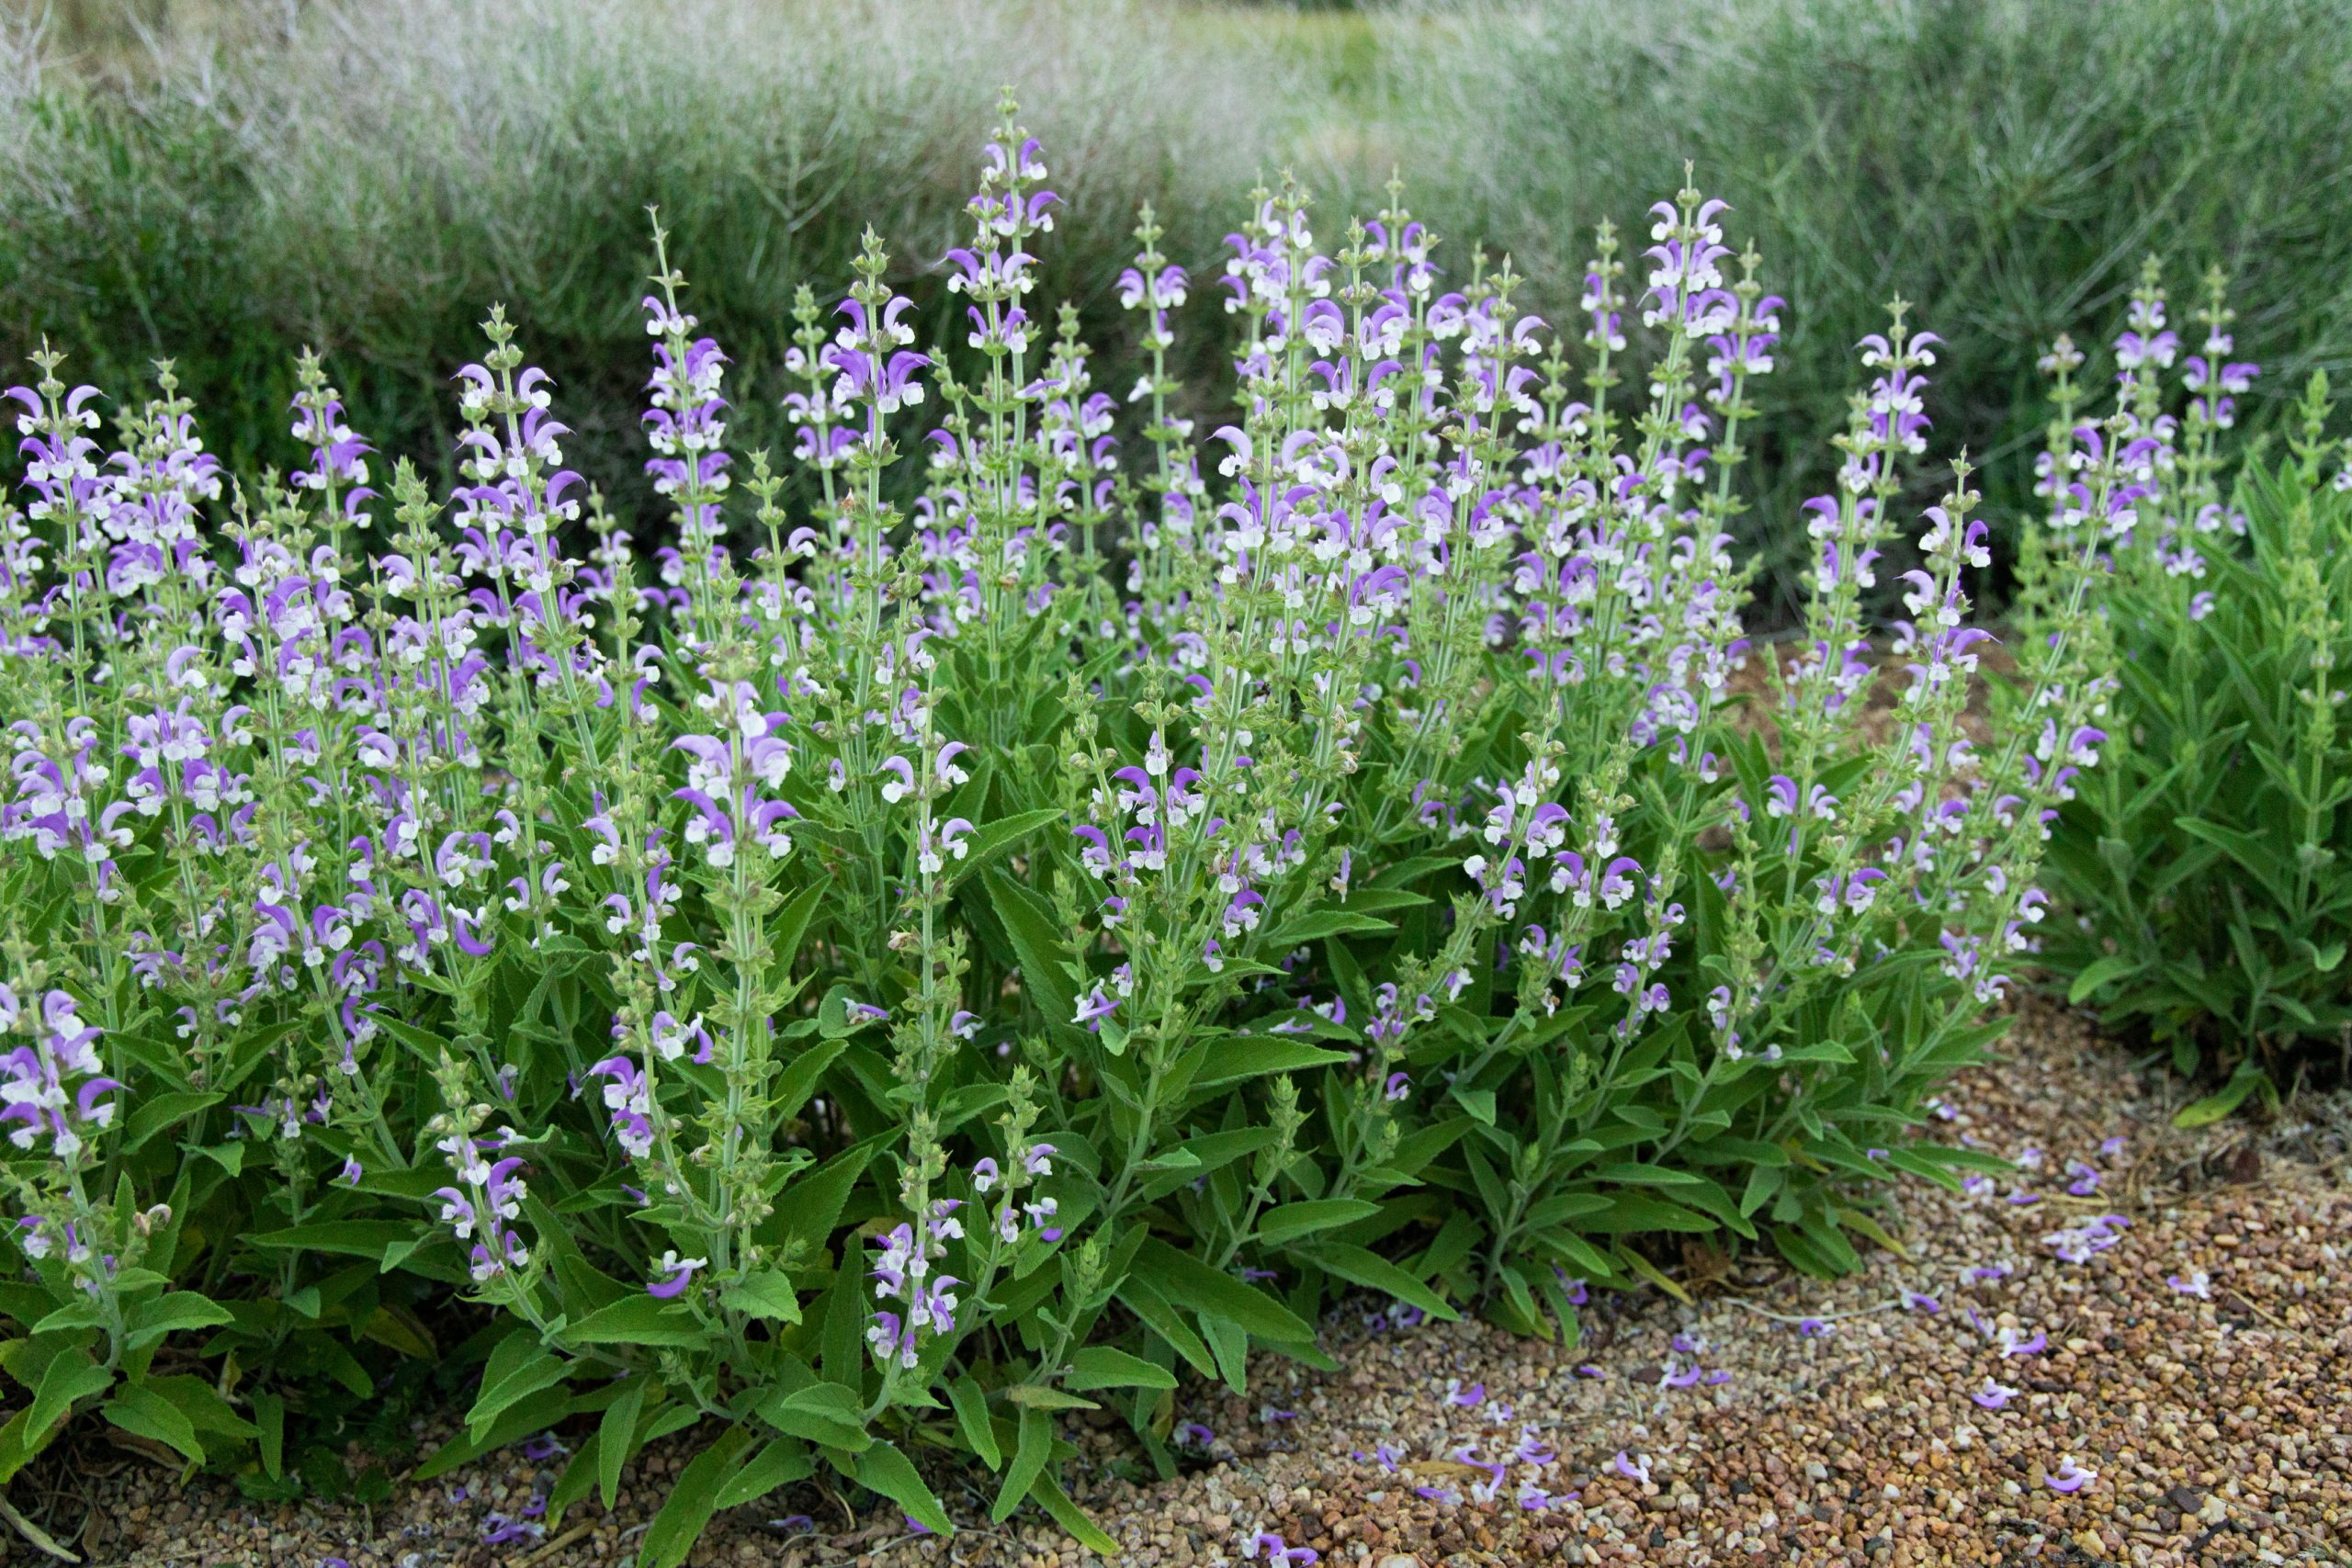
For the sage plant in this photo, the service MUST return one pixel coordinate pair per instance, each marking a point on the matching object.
(1034, 892)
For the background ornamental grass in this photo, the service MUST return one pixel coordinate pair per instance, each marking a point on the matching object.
(226, 183)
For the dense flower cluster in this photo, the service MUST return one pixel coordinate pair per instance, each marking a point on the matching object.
(925, 942)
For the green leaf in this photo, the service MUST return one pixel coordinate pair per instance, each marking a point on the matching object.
(783, 1462)
(1044, 1396)
(972, 1415)
(884, 1468)
(71, 1375)
(1071, 1517)
(1359, 1266)
(150, 1320)
(1322, 923)
(637, 1320)
(1100, 1365)
(511, 1385)
(1035, 1447)
(1291, 1221)
(1249, 1057)
(352, 1238)
(1028, 924)
(792, 923)
(997, 838)
(767, 1294)
(2087, 983)
(2232, 1094)
(692, 1501)
(269, 1415)
(1162, 1319)
(1189, 1282)
(617, 1439)
(798, 1082)
(146, 1413)
(827, 1413)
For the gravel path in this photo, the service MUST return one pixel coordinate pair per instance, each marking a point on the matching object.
(2187, 1370)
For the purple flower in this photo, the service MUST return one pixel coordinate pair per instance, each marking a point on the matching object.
(1193, 1435)
(2011, 1345)
(1994, 1395)
(1915, 1301)
(1276, 1550)
(681, 1271)
(1631, 1469)
(2196, 1284)
(2070, 1476)
(1812, 1327)
(1457, 1394)
(498, 1530)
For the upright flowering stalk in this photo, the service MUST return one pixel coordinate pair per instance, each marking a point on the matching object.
(58, 1104)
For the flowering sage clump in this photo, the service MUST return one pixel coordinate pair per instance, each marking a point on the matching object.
(2198, 868)
(1050, 910)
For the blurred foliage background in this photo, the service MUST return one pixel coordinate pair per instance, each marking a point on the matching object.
(222, 183)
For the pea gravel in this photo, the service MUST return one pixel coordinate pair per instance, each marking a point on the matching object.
(2198, 1363)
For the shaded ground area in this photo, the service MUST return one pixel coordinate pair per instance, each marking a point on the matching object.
(2165, 1327)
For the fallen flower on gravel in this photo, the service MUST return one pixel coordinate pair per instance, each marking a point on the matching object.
(1812, 1327)
(1456, 1395)
(1277, 1549)
(1531, 1448)
(2109, 1147)
(1915, 1301)
(2079, 1244)
(1533, 1497)
(2197, 1284)
(2020, 1198)
(2086, 1180)
(1985, 1273)
(1193, 1435)
(2070, 1476)
(543, 1446)
(1994, 1395)
(1633, 1470)
(1574, 1287)
(498, 1530)
(795, 1522)
(1445, 1494)
(1590, 1370)
(2013, 1346)
(1269, 1415)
